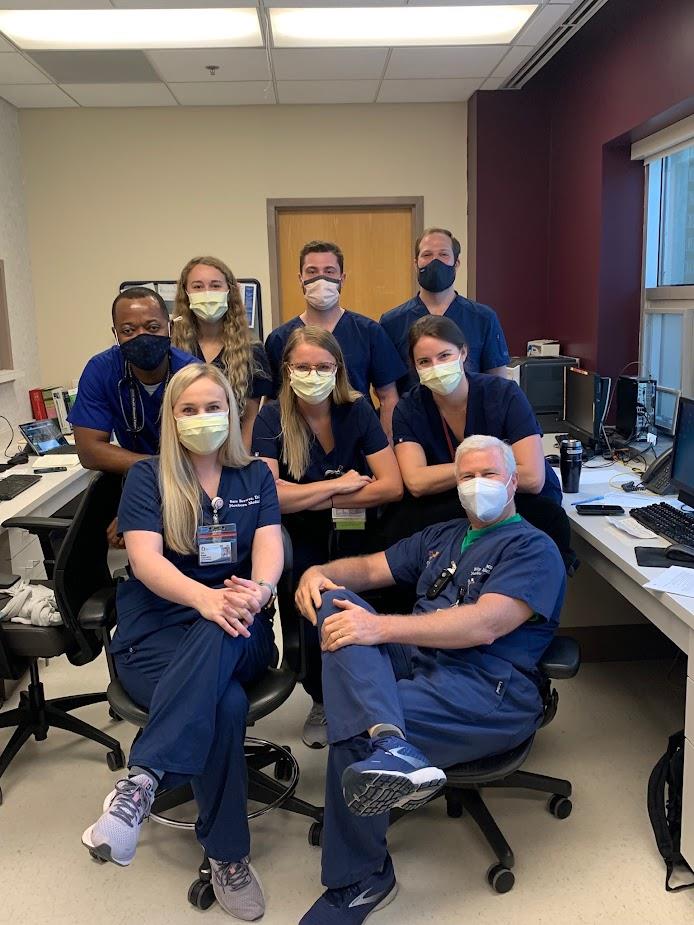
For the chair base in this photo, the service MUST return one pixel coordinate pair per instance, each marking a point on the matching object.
(35, 716)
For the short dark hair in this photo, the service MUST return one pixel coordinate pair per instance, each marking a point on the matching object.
(454, 241)
(436, 326)
(139, 292)
(321, 247)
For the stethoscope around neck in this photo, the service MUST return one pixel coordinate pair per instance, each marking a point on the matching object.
(135, 423)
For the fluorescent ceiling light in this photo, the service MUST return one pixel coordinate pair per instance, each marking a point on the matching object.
(102, 29)
(384, 26)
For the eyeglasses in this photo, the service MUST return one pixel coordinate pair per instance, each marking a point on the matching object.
(302, 370)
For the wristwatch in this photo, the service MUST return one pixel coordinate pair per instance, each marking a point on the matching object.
(273, 592)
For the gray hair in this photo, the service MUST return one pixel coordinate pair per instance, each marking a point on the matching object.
(484, 442)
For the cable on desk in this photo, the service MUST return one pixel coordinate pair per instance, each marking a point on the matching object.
(11, 440)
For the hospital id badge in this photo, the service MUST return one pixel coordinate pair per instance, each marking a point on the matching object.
(350, 518)
(216, 544)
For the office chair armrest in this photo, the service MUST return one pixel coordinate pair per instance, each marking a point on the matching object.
(99, 610)
(561, 659)
(37, 525)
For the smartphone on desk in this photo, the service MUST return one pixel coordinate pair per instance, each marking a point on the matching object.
(599, 510)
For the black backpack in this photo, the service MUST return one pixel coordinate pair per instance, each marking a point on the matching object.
(665, 807)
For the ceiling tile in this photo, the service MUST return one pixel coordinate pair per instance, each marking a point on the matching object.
(541, 22)
(328, 63)
(327, 91)
(91, 67)
(515, 56)
(54, 5)
(14, 69)
(464, 61)
(493, 83)
(120, 94)
(230, 93)
(188, 65)
(39, 96)
(427, 91)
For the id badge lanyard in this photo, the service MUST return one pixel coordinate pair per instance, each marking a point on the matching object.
(217, 542)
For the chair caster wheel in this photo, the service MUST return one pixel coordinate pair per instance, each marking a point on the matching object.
(500, 878)
(283, 769)
(201, 894)
(114, 716)
(315, 834)
(560, 806)
(95, 857)
(115, 760)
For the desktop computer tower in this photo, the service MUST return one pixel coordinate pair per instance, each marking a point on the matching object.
(635, 400)
(542, 380)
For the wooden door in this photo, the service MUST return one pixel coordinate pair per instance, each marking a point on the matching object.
(377, 242)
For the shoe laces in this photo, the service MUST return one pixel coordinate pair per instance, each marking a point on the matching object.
(342, 896)
(131, 803)
(316, 716)
(234, 879)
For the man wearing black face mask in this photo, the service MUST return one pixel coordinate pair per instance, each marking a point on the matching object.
(120, 390)
(437, 258)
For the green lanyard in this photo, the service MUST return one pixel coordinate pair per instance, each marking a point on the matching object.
(473, 535)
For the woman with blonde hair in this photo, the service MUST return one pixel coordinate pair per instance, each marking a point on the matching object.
(201, 525)
(333, 467)
(211, 323)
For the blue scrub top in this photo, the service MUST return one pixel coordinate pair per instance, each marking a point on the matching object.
(250, 502)
(261, 381)
(370, 357)
(513, 559)
(103, 400)
(495, 407)
(486, 344)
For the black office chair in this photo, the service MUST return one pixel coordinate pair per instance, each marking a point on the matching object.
(265, 696)
(83, 587)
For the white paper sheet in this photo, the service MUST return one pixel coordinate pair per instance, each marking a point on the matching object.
(674, 580)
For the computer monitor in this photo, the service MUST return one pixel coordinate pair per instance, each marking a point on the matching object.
(683, 452)
(585, 397)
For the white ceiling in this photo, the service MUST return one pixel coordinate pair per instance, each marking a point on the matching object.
(249, 76)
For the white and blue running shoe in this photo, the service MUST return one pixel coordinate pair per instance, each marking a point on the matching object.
(352, 905)
(395, 775)
(114, 836)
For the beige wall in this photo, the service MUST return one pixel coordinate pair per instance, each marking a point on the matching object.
(129, 194)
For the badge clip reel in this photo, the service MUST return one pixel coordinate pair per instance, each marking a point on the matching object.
(441, 582)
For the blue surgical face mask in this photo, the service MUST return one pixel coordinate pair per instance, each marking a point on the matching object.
(146, 351)
(436, 276)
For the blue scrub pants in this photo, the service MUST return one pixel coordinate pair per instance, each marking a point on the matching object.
(190, 677)
(454, 709)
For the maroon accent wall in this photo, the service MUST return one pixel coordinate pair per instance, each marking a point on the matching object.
(558, 215)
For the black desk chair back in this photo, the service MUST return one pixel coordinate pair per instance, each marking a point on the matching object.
(83, 589)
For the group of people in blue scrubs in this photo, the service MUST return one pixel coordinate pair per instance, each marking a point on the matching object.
(221, 440)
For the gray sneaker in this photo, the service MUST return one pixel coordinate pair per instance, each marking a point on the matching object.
(315, 733)
(113, 837)
(238, 889)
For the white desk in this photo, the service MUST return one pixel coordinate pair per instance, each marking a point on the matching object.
(18, 549)
(611, 553)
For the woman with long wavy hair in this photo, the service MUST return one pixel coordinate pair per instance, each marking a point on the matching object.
(201, 524)
(329, 455)
(211, 323)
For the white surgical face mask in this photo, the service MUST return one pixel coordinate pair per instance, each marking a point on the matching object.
(203, 433)
(484, 498)
(312, 388)
(321, 293)
(209, 304)
(443, 378)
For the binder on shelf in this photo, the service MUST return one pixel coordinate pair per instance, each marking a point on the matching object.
(38, 406)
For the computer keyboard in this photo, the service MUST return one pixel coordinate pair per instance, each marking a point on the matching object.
(13, 485)
(667, 521)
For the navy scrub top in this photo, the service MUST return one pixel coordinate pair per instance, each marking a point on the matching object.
(486, 344)
(370, 357)
(510, 558)
(261, 381)
(103, 400)
(495, 407)
(250, 502)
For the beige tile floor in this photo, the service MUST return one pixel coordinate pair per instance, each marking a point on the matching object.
(600, 865)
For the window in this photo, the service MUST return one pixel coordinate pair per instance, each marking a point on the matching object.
(667, 324)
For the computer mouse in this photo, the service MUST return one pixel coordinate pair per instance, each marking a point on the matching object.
(552, 459)
(680, 553)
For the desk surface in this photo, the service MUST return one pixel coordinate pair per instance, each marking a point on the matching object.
(53, 491)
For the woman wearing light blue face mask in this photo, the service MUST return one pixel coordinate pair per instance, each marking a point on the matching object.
(448, 405)
(201, 524)
(327, 450)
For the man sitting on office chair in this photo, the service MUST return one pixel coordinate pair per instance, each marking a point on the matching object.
(456, 680)
(121, 389)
